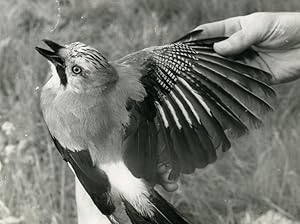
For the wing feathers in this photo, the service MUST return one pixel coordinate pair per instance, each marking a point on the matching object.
(93, 179)
(232, 99)
(200, 99)
(140, 139)
(194, 138)
(232, 87)
(203, 114)
(203, 141)
(165, 143)
(178, 138)
(227, 118)
(242, 68)
(247, 81)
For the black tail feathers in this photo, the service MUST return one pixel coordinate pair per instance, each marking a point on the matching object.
(163, 212)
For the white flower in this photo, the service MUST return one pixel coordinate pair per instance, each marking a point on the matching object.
(9, 149)
(8, 128)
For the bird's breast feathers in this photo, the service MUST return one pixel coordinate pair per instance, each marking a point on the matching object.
(89, 121)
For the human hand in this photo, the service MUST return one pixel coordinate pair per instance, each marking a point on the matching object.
(164, 170)
(275, 37)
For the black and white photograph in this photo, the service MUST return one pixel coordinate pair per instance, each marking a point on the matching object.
(149, 112)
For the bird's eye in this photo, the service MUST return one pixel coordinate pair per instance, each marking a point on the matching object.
(76, 69)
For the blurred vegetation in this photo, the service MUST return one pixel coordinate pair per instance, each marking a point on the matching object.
(261, 172)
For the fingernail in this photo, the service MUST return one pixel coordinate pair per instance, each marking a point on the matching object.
(171, 187)
(172, 176)
(221, 47)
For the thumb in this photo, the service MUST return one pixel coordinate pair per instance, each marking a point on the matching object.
(235, 44)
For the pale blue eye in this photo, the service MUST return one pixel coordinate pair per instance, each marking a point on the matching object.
(76, 69)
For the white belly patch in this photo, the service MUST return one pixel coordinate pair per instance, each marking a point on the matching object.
(134, 190)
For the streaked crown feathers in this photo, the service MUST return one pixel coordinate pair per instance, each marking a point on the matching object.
(78, 50)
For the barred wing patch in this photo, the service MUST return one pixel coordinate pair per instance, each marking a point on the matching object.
(196, 100)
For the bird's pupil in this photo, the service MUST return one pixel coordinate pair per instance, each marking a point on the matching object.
(76, 69)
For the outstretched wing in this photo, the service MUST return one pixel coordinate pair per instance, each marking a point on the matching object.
(195, 99)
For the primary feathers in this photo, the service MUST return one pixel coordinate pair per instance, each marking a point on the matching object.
(114, 121)
(193, 96)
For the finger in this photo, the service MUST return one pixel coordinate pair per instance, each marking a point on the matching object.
(164, 177)
(170, 187)
(235, 44)
(163, 168)
(164, 172)
(223, 28)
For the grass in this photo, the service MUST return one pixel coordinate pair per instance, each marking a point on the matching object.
(261, 172)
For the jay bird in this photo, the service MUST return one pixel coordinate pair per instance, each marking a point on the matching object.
(114, 121)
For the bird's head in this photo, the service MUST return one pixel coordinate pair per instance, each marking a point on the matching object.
(78, 66)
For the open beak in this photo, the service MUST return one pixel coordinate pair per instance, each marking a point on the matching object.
(55, 57)
(52, 56)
